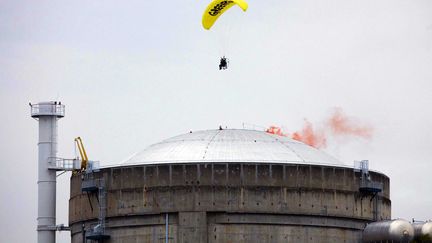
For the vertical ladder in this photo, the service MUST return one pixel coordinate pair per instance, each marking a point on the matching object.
(368, 187)
(102, 204)
(91, 184)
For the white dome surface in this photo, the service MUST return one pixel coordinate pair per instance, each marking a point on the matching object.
(231, 145)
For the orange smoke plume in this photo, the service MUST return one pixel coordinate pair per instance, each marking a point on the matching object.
(340, 124)
(307, 135)
(275, 130)
(310, 136)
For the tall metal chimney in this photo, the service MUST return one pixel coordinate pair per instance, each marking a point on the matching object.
(47, 113)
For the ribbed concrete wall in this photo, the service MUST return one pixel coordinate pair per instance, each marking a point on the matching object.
(231, 202)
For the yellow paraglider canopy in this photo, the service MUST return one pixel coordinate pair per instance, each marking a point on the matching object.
(216, 8)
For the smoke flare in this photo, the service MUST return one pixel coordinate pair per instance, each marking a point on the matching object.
(275, 130)
(341, 125)
(337, 125)
(314, 138)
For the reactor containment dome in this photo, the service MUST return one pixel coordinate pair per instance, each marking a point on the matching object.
(227, 185)
(231, 145)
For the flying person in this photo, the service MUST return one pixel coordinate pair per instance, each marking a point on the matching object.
(223, 63)
(214, 10)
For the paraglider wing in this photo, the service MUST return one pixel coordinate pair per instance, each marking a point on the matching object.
(216, 8)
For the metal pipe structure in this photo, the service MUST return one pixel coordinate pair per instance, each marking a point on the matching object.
(397, 230)
(47, 113)
(422, 229)
(166, 228)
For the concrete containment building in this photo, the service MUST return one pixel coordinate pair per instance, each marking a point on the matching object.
(227, 186)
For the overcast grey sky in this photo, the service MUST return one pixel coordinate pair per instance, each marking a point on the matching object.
(133, 73)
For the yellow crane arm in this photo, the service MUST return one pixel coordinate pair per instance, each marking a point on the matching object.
(83, 153)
